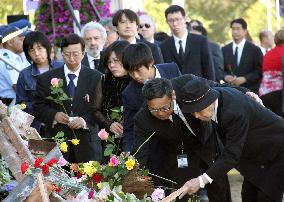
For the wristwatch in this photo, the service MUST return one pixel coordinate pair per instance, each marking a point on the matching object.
(201, 183)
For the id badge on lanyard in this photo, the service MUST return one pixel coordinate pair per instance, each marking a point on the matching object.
(182, 159)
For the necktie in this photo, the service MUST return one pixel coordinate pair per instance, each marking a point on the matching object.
(96, 63)
(71, 86)
(236, 57)
(180, 52)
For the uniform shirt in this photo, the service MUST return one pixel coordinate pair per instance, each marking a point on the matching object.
(9, 76)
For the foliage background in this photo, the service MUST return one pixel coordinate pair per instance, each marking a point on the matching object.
(215, 14)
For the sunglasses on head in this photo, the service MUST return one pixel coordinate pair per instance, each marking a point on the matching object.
(145, 25)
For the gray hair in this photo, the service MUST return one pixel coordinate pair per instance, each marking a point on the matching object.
(147, 17)
(107, 22)
(94, 25)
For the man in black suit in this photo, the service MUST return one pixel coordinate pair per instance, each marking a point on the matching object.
(126, 22)
(253, 139)
(215, 49)
(83, 85)
(242, 59)
(94, 35)
(190, 52)
(179, 136)
(138, 61)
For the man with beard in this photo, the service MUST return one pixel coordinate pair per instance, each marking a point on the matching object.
(94, 35)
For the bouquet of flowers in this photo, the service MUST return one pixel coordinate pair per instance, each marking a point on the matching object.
(117, 180)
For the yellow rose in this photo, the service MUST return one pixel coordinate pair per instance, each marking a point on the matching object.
(99, 185)
(75, 141)
(89, 169)
(23, 106)
(130, 163)
(63, 147)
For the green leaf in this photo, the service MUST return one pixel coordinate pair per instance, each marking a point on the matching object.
(145, 172)
(109, 149)
(60, 134)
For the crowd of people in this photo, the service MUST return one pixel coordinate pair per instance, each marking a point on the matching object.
(199, 100)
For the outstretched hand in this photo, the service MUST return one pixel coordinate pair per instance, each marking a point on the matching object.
(191, 187)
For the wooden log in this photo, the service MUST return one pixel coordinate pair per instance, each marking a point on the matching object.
(16, 140)
(11, 157)
(29, 183)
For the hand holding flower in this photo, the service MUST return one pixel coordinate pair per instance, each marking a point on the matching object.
(61, 117)
(77, 123)
(116, 128)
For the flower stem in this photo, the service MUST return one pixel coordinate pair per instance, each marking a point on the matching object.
(143, 144)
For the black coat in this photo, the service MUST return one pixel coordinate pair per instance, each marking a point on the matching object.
(156, 51)
(198, 57)
(250, 64)
(133, 99)
(253, 137)
(89, 82)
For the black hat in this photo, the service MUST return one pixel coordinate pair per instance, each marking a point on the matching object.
(197, 95)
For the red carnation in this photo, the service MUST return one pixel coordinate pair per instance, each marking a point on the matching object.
(24, 167)
(45, 169)
(79, 175)
(52, 161)
(38, 162)
(56, 188)
(97, 178)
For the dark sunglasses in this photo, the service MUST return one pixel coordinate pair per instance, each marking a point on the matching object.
(145, 25)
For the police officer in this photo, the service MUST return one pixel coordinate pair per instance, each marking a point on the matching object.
(13, 53)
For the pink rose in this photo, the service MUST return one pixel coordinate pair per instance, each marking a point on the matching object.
(54, 82)
(62, 161)
(113, 161)
(157, 195)
(103, 134)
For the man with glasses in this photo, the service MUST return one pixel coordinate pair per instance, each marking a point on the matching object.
(189, 51)
(147, 28)
(186, 145)
(77, 118)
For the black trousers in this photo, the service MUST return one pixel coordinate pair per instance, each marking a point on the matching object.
(219, 190)
(273, 101)
(251, 193)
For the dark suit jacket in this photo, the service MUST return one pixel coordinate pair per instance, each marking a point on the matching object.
(89, 82)
(86, 63)
(218, 60)
(250, 64)
(253, 137)
(133, 99)
(159, 155)
(198, 58)
(156, 51)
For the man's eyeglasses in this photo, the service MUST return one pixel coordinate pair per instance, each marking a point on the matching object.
(162, 109)
(145, 25)
(74, 54)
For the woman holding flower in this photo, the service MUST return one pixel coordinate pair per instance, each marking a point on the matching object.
(115, 81)
(37, 49)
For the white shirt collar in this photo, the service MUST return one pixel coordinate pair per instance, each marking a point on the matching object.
(91, 60)
(214, 117)
(68, 71)
(183, 40)
(157, 75)
(178, 112)
(240, 45)
(152, 40)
